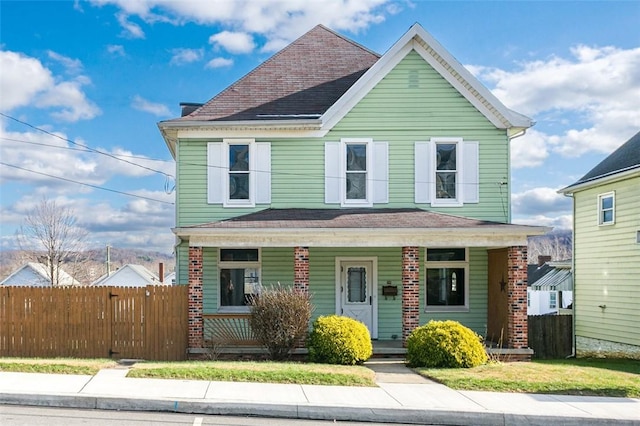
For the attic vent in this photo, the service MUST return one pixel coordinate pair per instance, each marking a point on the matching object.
(414, 79)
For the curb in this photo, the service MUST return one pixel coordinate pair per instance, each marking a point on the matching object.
(305, 412)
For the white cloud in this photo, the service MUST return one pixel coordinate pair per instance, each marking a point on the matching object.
(557, 222)
(219, 63)
(529, 150)
(129, 29)
(142, 104)
(185, 56)
(72, 66)
(233, 42)
(539, 200)
(597, 87)
(25, 81)
(279, 22)
(116, 49)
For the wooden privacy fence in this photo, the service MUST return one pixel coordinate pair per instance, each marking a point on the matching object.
(551, 336)
(94, 322)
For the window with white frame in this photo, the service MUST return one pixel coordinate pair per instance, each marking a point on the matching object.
(239, 278)
(239, 172)
(447, 172)
(606, 208)
(447, 276)
(553, 300)
(356, 172)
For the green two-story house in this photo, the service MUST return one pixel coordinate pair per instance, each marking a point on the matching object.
(380, 184)
(606, 255)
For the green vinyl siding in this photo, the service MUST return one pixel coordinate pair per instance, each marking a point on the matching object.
(607, 265)
(412, 103)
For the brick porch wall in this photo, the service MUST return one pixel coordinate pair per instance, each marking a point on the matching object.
(411, 291)
(196, 325)
(517, 297)
(301, 269)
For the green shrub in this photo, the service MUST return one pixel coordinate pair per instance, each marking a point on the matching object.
(280, 319)
(447, 344)
(339, 340)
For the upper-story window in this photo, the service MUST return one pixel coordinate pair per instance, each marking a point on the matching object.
(606, 209)
(447, 172)
(356, 172)
(238, 172)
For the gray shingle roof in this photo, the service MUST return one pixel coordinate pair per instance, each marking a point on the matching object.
(624, 158)
(301, 81)
(349, 218)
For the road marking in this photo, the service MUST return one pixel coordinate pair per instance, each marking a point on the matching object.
(197, 421)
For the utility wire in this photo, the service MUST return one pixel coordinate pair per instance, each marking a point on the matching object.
(86, 147)
(87, 184)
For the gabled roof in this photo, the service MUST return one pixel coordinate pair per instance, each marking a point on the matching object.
(624, 159)
(122, 277)
(301, 81)
(40, 270)
(316, 80)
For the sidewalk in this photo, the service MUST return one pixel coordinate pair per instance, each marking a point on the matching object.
(402, 397)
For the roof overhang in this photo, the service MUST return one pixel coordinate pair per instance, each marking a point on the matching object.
(484, 236)
(601, 180)
(173, 130)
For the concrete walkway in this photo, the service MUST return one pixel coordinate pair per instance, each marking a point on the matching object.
(401, 397)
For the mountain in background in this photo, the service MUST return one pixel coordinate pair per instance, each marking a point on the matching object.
(557, 244)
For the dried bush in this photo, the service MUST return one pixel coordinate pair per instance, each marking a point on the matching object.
(280, 319)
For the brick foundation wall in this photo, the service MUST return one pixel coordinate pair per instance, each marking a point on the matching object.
(301, 269)
(517, 297)
(195, 298)
(410, 291)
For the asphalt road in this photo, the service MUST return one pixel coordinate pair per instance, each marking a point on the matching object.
(16, 415)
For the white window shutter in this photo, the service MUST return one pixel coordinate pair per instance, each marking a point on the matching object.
(332, 173)
(215, 173)
(263, 173)
(423, 172)
(380, 172)
(470, 172)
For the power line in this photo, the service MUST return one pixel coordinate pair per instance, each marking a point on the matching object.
(86, 147)
(87, 184)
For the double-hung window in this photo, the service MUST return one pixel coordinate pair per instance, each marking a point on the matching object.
(553, 300)
(239, 278)
(606, 209)
(356, 172)
(238, 172)
(447, 273)
(447, 172)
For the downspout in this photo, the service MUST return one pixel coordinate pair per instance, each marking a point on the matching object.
(573, 273)
(511, 137)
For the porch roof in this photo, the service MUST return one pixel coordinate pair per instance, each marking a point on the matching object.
(355, 228)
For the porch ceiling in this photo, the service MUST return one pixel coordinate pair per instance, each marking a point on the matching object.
(355, 228)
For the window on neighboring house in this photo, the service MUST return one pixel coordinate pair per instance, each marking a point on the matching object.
(239, 278)
(356, 172)
(447, 172)
(239, 172)
(606, 208)
(528, 300)
(447, 272)
(553, 300)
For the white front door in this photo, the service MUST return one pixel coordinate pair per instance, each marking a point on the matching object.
(357, 292)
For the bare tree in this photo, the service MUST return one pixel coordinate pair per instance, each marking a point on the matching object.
(51, 231)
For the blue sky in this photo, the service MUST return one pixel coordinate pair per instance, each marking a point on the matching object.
(100, 74)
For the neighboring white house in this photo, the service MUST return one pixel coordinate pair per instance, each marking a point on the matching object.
(34, 274)
(550, 289)
(129, 275)
(170, 279)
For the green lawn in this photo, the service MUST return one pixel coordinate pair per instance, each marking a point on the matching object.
(598, 377)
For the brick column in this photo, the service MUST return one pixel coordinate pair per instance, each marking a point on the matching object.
(196, 325)
(301, 269)
(517, 297)
(410, 291)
